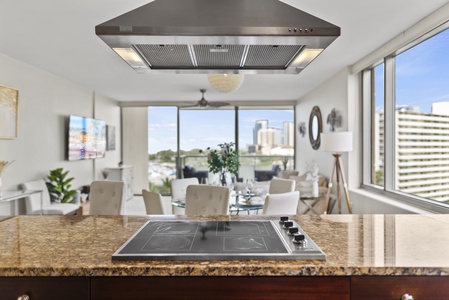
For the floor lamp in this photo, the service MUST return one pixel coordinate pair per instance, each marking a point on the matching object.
(337, 142)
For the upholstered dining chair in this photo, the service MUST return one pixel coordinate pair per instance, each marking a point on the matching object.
(278, 204)
(281, 185)
(107, 198)
(155, 204)
(33, 202)
(179, 187)
(207, 200)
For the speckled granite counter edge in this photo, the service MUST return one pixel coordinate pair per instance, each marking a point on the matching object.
(174, 270)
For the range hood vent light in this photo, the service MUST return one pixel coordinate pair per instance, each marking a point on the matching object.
(217, 36)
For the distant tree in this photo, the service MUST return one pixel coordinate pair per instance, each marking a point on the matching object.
(166, 155)
(380, 177)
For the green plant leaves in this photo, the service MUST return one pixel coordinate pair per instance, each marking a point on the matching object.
(224, 160)
(59, 187)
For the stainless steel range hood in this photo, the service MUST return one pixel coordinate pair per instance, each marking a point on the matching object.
(217, 36)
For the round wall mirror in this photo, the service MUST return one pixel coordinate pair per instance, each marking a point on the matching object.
(315, 127)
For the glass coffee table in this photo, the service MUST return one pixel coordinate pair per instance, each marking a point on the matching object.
(13, 195)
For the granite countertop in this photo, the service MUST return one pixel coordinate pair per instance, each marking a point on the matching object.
(354, 244)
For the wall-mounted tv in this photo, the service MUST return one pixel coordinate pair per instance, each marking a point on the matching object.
(86, 138)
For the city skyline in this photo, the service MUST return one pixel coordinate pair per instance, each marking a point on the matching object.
(206, 128)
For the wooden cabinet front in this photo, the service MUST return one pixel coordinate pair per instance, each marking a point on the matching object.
(395, 287)
(220, 288)
(45, 288)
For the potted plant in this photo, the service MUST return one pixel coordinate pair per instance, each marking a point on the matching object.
(223, 160)
(59, 186)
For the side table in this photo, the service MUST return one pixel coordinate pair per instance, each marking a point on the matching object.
(12, 195)
(309, 204)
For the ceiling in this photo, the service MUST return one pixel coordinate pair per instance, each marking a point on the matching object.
(59, 37)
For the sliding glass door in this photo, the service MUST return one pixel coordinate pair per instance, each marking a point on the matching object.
(266, 142)
(201, 129)
(162, 147)
(264, 138)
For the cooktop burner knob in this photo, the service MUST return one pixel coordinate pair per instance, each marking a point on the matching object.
(292, 230)
(283, 219)
(288, 224)
(300, 239)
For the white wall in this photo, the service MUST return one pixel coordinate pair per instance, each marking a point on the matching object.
(331, 94)
(108, 110)
(135, 144)
(45, 101)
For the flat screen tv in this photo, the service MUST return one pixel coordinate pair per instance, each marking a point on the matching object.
(86, 138)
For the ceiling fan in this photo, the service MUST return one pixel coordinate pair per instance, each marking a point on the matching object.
(204, 103)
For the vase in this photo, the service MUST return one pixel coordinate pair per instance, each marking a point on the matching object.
(315, 189)
(223, 179)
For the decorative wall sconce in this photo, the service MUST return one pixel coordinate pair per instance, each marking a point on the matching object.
(302, 128)
(334, 119)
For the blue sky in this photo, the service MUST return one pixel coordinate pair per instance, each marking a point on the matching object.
(206, 128)
(422, 74)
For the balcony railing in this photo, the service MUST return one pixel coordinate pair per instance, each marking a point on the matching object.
(252, 167)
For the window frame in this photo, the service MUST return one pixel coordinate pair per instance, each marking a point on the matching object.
(282, 105)
(368, 110)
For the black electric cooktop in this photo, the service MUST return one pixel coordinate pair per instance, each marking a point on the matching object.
(219, 240)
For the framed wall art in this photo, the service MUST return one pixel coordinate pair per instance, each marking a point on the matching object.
(9, 112)
(110, 131)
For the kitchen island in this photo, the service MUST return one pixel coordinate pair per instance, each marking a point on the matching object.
(368, 257)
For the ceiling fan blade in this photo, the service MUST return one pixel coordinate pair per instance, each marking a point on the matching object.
(218, 104)
(189, 105)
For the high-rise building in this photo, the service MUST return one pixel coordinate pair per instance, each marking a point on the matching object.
(422, 152)
(269, 137)
(440, 108)
(288, 134)
(260, 124)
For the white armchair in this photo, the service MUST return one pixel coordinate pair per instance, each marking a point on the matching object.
(207, 200)
(284, 203)
(280, 185)
(179, 187)
(304, 184)
(33, 202)
(155, 204)
(107, 198)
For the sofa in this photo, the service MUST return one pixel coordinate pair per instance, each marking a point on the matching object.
(191, 172)
(304, 184)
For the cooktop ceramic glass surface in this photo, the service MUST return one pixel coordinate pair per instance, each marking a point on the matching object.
(209, 240)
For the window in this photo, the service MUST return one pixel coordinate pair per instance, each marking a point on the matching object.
(410, 127)
(264, 137)
(162, 148)
(200, 129)
(377, 176)
(266, 142)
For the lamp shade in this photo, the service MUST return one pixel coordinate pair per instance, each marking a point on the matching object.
(225, 83)
(336, 141)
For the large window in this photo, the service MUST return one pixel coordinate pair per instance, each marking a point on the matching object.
(266, 142)
(264, 137)
(201, 129)
(377, 176)
(162, 148)
(410, 125)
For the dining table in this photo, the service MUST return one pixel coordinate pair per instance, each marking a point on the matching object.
(252, 202)
(246, 202)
